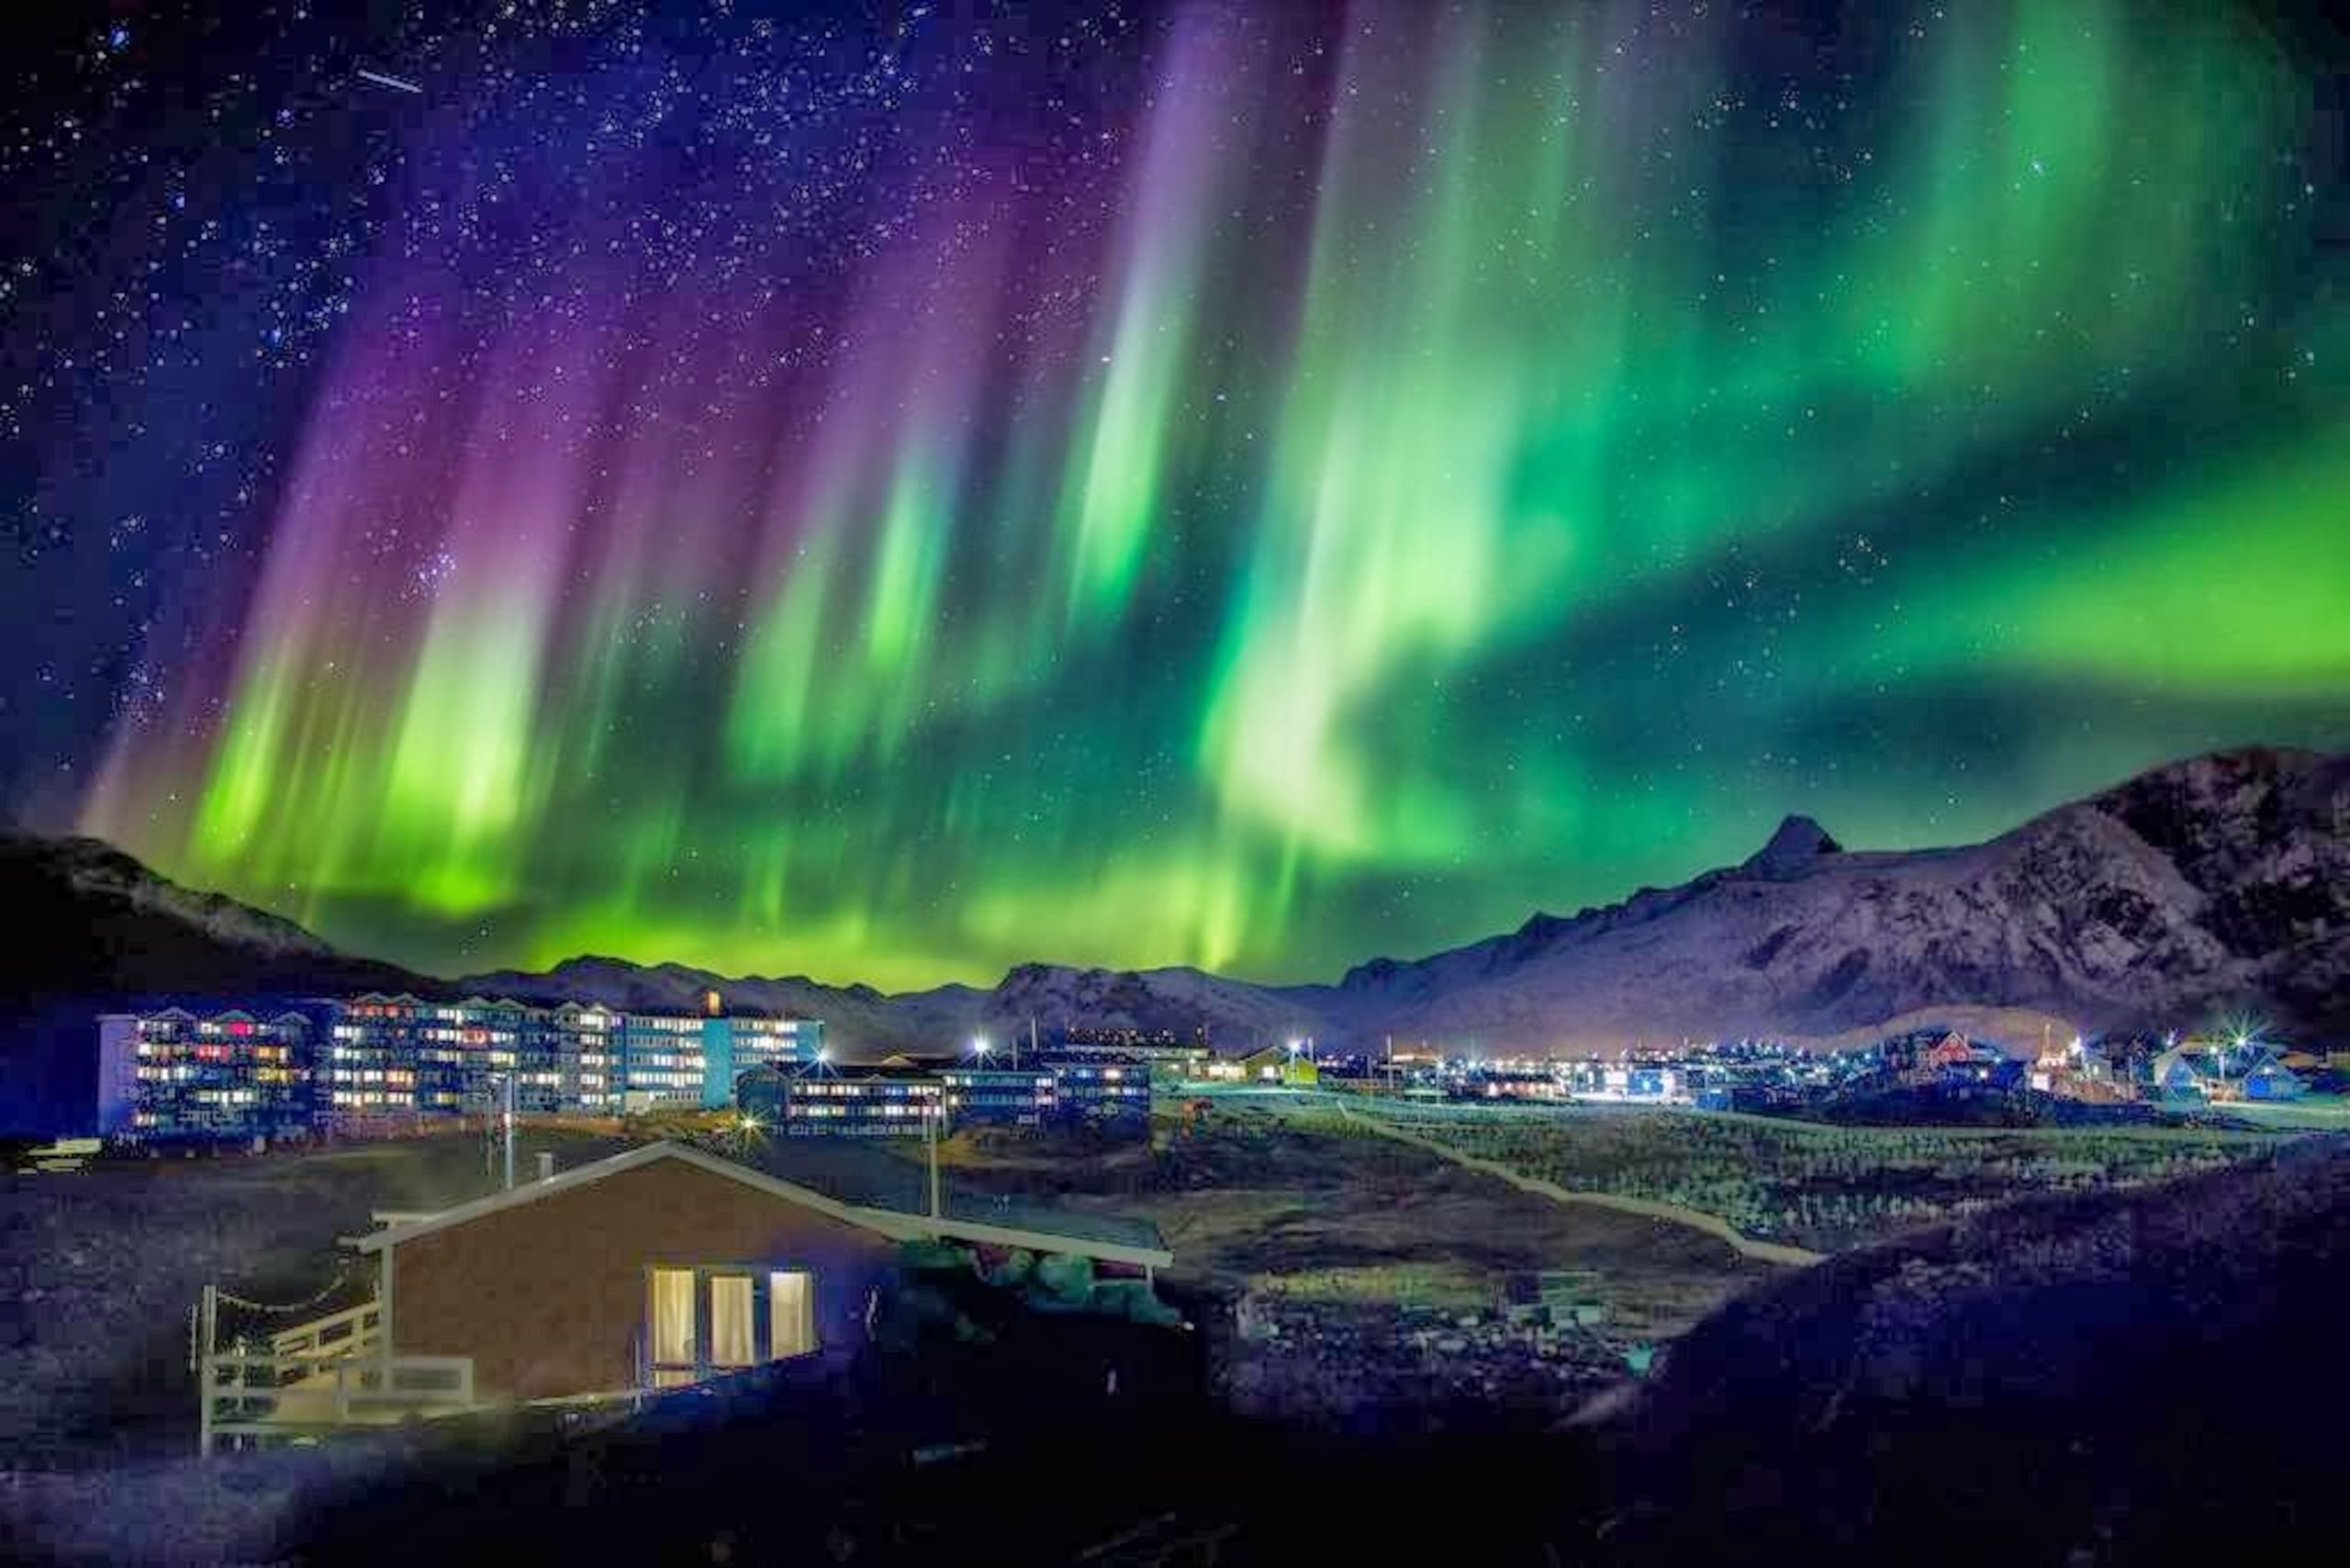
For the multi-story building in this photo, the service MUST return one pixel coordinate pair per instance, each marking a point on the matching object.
(374, 1058)
(374, 1053)
(1112, 1096)
(1106, 1093)
(1010, 1097)
(694, 1060)
(401, 1056)
(589, 1057)
(662, 1061)
(174, 1075)
(871, 1104)
(1169, 1054)
(760, 1042)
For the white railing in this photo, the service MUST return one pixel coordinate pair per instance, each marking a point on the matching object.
(356, 1331)
(246, 1394)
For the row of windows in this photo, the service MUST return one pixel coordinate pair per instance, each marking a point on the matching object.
(182, 1075)
(864, 1089)
(214, 1052)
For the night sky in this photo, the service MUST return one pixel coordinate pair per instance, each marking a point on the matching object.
(889, 491)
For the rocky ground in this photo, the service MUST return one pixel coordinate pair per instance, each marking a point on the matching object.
(1346, 1280)
(1374, 1366)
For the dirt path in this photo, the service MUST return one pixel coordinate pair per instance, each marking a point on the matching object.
(1674, 1213)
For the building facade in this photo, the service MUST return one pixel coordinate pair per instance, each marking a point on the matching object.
(657, 1268)
(1111, 1096)
(1000, 1096)
(1171, 1055)
(376, 1059)
(886, 1103)
(176, 1075)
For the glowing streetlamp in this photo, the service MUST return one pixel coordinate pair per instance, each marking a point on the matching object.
(979, 1047)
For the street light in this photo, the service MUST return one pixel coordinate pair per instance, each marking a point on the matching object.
(979, 1047)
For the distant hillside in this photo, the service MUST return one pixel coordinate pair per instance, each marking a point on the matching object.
(858, 1020)
(90, 928)
(2222, 882)
(2148, 1376)
(88, 920)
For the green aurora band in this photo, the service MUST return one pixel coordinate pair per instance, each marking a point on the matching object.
(1527, 463)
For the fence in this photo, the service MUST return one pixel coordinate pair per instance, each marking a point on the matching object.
(357, 1331)
(332, 1372)
(246, 1394)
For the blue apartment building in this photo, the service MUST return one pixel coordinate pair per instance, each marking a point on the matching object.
(176, 1074)
(1107, 1095)
(181, 1076)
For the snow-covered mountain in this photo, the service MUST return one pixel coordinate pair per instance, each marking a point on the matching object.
(861, 1023)
(2222, 883)
(2218, 883)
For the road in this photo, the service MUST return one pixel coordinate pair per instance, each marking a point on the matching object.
(1672, 1214)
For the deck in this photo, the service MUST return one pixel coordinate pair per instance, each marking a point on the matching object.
(329, 1375)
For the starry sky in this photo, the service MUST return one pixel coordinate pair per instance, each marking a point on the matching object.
(887, 491)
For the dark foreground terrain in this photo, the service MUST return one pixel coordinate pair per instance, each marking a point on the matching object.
(2153, 1376)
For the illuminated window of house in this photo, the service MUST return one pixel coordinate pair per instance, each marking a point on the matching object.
(704, 1321)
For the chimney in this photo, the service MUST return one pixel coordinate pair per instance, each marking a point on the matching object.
(546, 1165)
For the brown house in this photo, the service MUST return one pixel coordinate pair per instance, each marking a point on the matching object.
(656, 1268)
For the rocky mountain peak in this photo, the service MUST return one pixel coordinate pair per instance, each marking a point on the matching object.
(1797, 842)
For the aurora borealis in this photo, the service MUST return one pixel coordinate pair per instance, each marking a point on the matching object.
(892, 495)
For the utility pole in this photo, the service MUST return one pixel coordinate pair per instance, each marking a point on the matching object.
(930, 1141)
(509, 1132)
(206, 1329)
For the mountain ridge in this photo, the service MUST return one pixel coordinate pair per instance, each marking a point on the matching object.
(2220, 880)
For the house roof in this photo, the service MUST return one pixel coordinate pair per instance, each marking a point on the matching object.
(894, 1223)
(2181, 1057)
